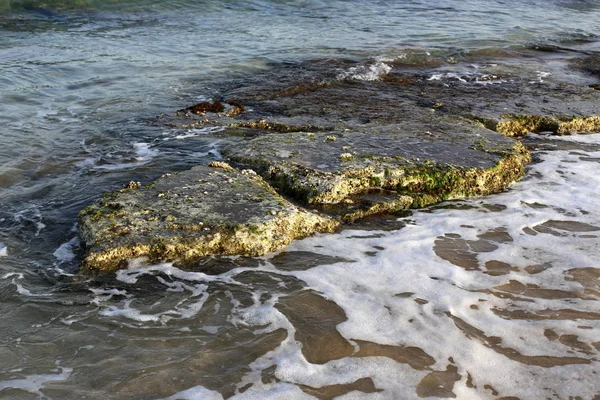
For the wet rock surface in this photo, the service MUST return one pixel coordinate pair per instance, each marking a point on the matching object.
(349, 140)
(203, 211)
(422, 164)
(493, 93)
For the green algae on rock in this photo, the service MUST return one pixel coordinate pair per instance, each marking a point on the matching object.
(199, 212)
(424, 164)
(519, 125)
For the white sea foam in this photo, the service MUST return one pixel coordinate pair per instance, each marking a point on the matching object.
(196, 393)
(192, 285)
(66, 251)
(35, 383)
(446, 75)
(199, 132)
(368, 72)
(26, 292)
(87, 162)
(541, 75)
(125, 310)
(22, 290)
(381, 265)
(475, 77)
(14, 275)
(258, 314)
(273, 392)
(3, 250)
(143, 153)
(131, 275)
(103, 295)
(32, 215)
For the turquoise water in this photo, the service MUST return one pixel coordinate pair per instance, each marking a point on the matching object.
(81, 83)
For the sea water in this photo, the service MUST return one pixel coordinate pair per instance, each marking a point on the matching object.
(483, 298)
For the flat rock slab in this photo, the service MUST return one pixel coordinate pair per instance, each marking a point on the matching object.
(517, 107)
(191, 214)
(511, 95)
(513, 107)
(422, 162)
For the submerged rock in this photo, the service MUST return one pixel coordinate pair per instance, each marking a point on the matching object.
(514, 102)
(203, 211)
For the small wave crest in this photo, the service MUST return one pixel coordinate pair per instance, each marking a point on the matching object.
(467, 77)
(138, 154)
(368, 72)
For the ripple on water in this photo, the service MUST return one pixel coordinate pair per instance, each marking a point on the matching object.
(469, 299)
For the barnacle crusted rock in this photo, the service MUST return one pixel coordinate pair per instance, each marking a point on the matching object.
(199, 212)
(423, 163)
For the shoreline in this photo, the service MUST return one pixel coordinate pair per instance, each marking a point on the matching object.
(341, 150)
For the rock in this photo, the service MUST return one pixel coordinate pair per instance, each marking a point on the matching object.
(418, 134)
(422, 163)
(510, 104)
(589, 64)
(191, 214)
(229, 109)
(518, 107)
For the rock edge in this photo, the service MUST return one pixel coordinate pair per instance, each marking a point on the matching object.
(200, 212)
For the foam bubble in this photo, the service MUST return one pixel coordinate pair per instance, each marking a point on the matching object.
(39, 226)
(143, 151)
(541, 75)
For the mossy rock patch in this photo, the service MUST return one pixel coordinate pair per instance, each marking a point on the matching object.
(199, 212)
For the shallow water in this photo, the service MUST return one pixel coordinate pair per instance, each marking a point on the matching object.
(484, 298)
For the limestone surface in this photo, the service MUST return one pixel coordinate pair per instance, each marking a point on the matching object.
(421, 163)
(199, 212)
(346, 145)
